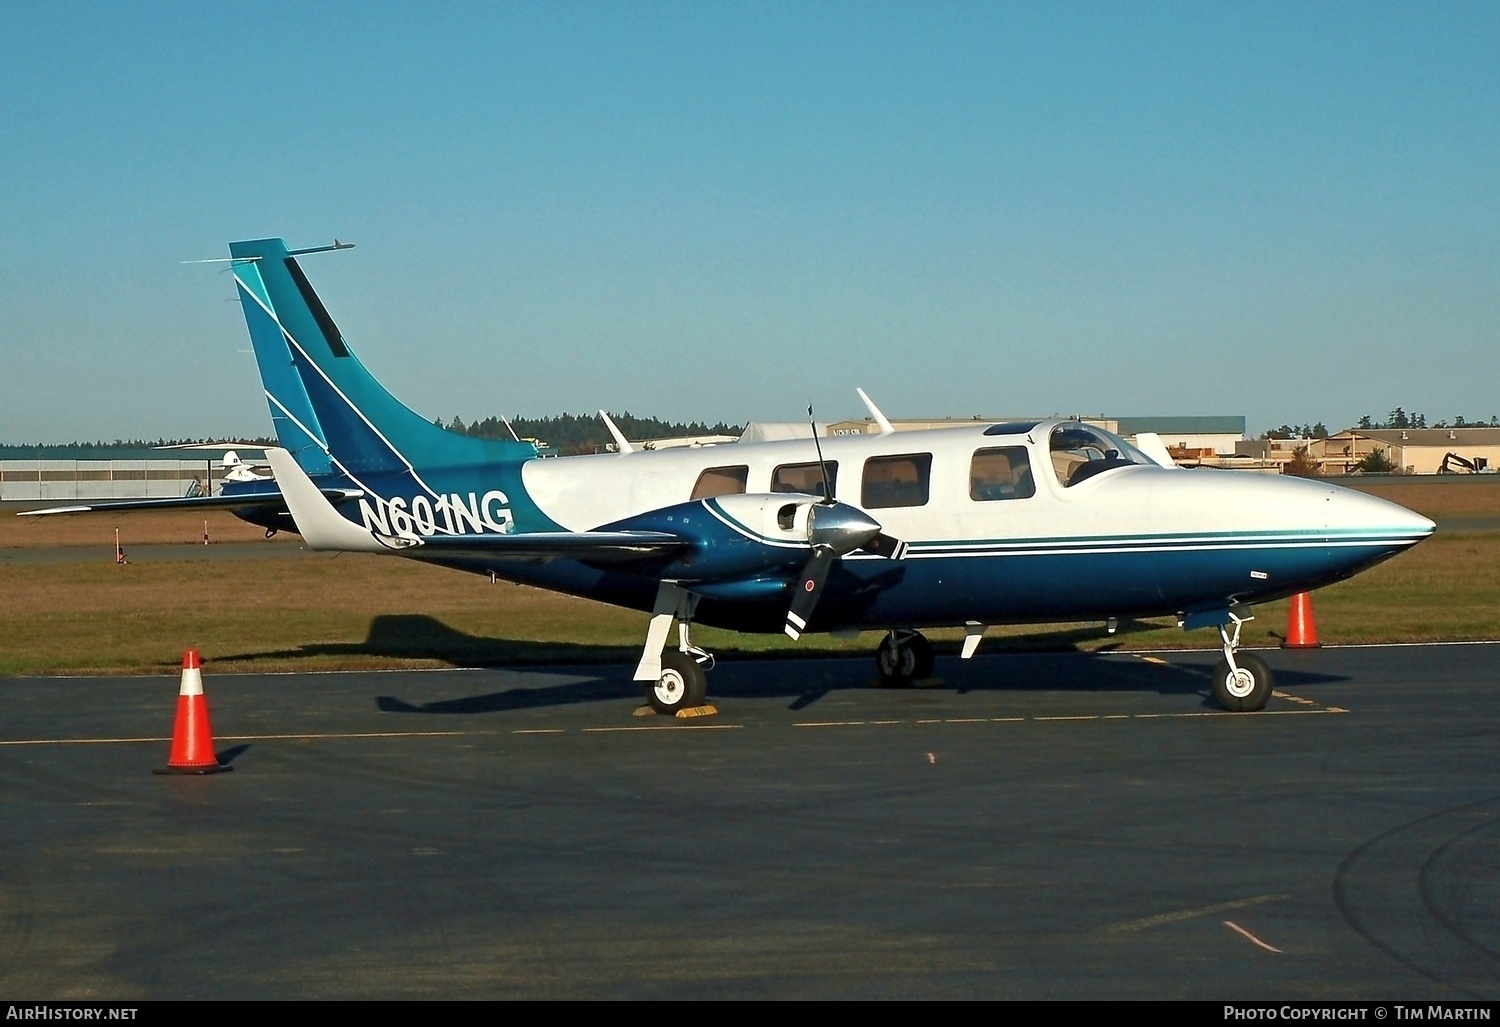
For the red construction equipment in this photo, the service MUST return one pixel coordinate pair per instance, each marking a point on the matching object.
(1301, 629)
(192, 739)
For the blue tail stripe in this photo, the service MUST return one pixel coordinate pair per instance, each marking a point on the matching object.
(360, 448)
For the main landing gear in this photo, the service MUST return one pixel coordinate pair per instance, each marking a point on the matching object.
(904, 656)
(676, 680)
(681, 685)
(1241, 681)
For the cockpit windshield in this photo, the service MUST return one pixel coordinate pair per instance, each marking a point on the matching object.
(1080, 451)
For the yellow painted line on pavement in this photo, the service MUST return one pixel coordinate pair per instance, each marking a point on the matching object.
(1193, 913)
(662, 727)
(246, 738)
(351, 735)
(77, 741)
(1295, 713)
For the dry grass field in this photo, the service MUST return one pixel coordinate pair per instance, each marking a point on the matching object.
(137, 527)
(323, 612)
(1477, 496)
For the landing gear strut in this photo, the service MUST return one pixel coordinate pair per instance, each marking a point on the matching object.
(1241, 681)
(676, 679)
(904, 656)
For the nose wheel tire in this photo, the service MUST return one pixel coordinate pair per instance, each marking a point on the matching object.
(1244, 690)
(903, 657)
(682, 684)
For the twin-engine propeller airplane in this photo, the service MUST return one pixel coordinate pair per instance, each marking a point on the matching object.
(984, 524)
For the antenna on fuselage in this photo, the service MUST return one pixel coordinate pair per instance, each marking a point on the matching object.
(884, 422)
(621, 445)
(822, 464)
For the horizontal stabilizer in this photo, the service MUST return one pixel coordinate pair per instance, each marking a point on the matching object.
(267, 497)
(319, 524)
(589, 546)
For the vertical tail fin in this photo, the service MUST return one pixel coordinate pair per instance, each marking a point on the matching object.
(328, 410)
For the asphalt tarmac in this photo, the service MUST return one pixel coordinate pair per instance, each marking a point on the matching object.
(1031, 826)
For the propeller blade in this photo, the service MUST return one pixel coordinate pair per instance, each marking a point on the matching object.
(888, 546)
(809, 588)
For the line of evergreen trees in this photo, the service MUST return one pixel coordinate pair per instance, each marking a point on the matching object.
(569, 434)
(1397, 418)
(261, 440)
(585, 433)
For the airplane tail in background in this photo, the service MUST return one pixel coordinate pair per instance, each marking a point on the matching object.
(329, 412)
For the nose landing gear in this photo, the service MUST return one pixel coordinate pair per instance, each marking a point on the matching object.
(904, 656)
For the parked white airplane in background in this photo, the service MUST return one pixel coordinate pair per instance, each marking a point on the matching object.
(984, 524)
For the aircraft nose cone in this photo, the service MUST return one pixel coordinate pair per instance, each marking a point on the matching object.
(1351, 512)
(840, 527)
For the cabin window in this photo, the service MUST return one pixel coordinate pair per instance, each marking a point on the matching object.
(805, 478)
(721, 481)
(896, 481)
(1003, 472)
(1080, 451)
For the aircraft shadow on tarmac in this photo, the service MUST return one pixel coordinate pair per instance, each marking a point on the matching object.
(419, 637)
(572, 673)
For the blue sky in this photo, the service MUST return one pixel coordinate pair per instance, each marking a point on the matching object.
(706, 211)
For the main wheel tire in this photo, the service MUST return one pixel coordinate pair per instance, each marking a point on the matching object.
(681, 685)
(922, 650)
(903, 659)
(1244, 691)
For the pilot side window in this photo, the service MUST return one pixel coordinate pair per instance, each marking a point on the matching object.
(805, 478)
(896, 481)
(1080, 451)
(721, 481)
(1003, 472)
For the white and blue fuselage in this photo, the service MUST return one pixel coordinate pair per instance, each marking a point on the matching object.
(1132, 540)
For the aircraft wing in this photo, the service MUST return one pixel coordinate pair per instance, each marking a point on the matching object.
(257, 498)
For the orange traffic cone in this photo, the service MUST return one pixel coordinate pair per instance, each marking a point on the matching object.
(1301, 629)
(192, 739)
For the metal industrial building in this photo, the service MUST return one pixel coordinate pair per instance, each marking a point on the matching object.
(113, 472)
